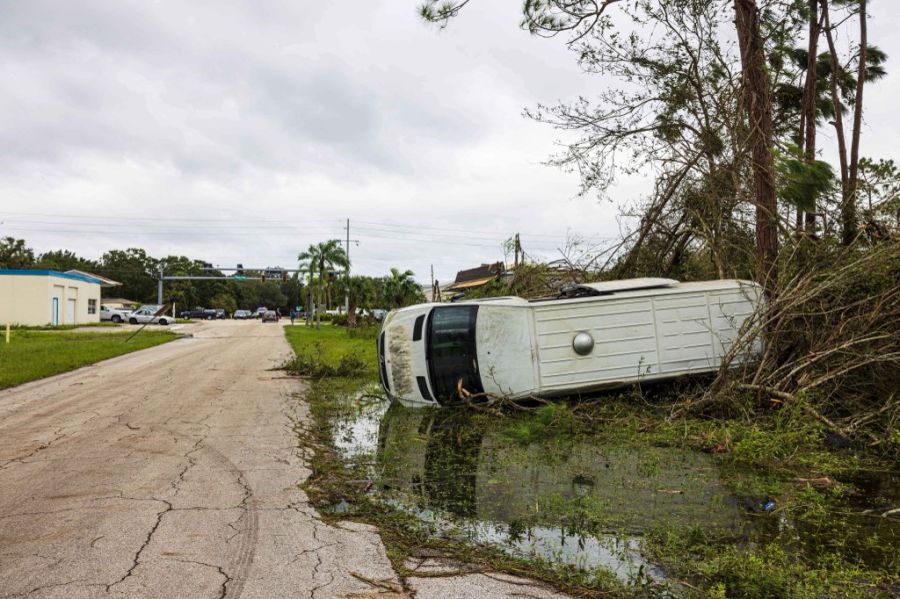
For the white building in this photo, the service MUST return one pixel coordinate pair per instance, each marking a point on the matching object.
(47, 297)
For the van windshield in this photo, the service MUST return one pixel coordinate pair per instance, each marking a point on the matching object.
(451, 351)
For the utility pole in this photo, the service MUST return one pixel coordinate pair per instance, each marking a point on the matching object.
(347, 286)
(159, 287)
(319, 292)
(347, 273)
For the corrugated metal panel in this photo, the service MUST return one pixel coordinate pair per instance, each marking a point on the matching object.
(623, 332)
(655, 335)
(684, 332)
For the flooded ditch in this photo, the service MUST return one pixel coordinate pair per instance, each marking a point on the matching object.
(591, 504)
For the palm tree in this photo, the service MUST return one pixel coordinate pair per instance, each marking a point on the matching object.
(359, 293)
(319, 260)
(401, 289)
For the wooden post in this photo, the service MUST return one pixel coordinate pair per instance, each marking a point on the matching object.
(7, 332)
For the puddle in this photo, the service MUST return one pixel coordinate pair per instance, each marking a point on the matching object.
(580, 503)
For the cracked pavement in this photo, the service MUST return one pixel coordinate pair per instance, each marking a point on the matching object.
(174, 472)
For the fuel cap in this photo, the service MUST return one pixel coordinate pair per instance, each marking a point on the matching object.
(583, 343)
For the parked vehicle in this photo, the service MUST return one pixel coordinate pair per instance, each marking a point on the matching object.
(242, 314)
(270, 316)
(221, 314)
(113, 314)
(258, 313)
(590, 337)
(199, 314)
(145, 314)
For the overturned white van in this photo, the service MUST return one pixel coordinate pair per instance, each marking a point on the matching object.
(590, 337)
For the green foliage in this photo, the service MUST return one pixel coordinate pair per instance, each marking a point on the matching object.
(63, 260)
(880, 192)
(331, 351)
(731, 569)
(225, 301)
(15, 254)
(400, 289)
(134, 269)
(802, 183)
(312, 363)
(37, 354)
(550, 420)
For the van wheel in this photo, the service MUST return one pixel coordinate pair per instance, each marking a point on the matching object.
(116, 318)
(132, 320)
(163, 322)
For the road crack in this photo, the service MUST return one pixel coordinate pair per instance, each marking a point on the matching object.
(137, 556)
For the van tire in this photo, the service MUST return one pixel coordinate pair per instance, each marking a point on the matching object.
(132, 320)
(116, 318)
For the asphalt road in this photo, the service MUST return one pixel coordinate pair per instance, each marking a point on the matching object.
(173, 472)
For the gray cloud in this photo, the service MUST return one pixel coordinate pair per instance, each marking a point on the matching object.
(299, 111)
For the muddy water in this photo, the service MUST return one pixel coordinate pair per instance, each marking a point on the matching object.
(578, 502)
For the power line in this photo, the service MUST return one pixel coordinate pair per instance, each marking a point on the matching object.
(280, 223)
(407, 238)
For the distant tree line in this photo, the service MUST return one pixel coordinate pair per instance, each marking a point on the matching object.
(137, 271)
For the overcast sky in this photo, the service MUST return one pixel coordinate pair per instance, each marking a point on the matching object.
(242, 131)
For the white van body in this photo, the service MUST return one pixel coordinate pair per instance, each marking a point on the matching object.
(637, 330)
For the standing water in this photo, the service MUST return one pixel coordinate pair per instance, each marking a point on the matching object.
(577, 501)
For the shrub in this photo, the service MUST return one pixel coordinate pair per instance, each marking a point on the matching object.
(313, 364)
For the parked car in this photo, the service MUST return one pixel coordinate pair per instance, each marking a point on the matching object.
(199, 314)
(145, 314)
(113, 314)
(270, 316)
(221, 314)
(258, 313)
(242, 314)
(590, 337)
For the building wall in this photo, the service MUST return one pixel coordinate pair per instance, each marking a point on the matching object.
(26, 298)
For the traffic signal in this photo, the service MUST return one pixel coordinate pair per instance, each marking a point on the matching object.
(262, 276)
(240, 270)
(284, 276)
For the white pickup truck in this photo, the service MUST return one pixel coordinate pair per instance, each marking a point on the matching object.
(592, 336)
(114, 314)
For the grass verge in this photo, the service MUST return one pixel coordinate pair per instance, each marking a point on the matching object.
(32, 355)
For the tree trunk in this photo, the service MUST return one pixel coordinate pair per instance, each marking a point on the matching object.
(757, 102)
(808, 117)
(848, 209)
(838, 105)
(838, 119)
(351, 311)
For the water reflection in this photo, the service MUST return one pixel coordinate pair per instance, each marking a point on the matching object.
(568, 501)
(579, 501)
